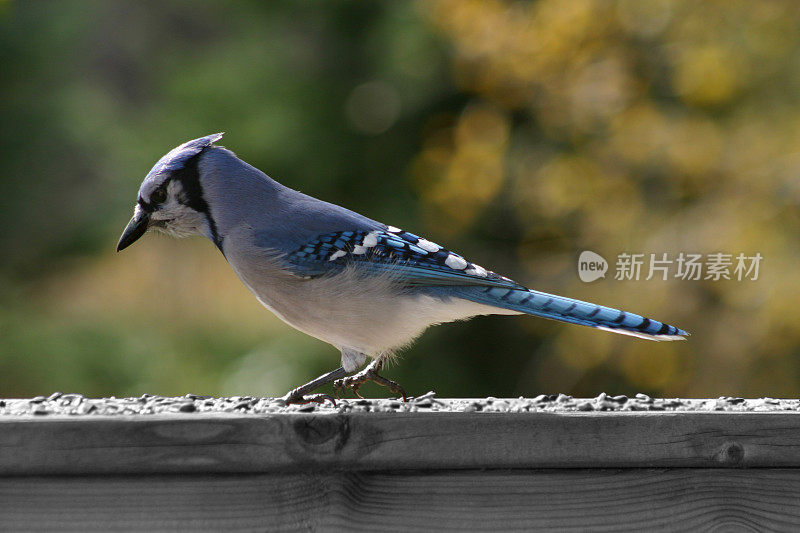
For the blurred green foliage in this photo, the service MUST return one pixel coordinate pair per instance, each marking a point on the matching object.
(518, 133)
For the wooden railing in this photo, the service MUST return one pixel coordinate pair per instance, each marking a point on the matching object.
(554, 463)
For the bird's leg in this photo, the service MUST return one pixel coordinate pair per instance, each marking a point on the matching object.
(370, 373)
(300, 394)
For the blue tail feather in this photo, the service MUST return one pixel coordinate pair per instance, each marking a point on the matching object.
(570, 310)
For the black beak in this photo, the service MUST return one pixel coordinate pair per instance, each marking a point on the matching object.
(135, 229)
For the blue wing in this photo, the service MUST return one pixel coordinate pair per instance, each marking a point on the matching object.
(418, 262)
(412, 259)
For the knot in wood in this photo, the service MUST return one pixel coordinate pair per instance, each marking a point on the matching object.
(322, 433)
(731, 454)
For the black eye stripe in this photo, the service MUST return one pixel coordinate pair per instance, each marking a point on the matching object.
(189, 179)
(146, 207)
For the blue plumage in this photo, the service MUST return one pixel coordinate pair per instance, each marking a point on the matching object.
(413, 260)
(176, 159)
(398, 251)
(569, 310)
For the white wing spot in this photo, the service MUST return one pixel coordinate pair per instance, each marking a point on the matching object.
(392, 229)
(370, 240)
(337, 254)
(476, 270)
(428, 246)
(358, 250)
(455, 262)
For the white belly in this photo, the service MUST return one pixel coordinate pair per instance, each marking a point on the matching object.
(372, 315)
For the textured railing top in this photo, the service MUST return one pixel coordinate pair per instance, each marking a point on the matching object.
(79, 405)
(71, 434)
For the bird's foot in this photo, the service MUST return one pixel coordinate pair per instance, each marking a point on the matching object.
(292, 397)
(370, 373)
(299, 395)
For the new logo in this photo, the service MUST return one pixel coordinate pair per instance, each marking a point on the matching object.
(591, 266)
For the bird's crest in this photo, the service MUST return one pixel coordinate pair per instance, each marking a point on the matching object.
(177, 157)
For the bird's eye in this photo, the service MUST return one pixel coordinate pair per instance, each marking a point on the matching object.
(159, 196)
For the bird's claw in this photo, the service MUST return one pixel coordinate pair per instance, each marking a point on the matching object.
(355, 381)
(339, 387)
(293, 398)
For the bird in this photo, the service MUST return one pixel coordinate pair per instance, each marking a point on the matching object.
(367, 288)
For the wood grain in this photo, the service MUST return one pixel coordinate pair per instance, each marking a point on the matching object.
(225, 443)
(523, 500)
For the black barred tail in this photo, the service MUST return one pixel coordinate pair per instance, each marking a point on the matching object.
(574, 311)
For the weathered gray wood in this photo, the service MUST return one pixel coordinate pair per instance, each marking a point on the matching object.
(523, 500)
(553, 463)
(227, 442)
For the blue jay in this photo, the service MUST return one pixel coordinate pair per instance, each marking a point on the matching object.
(366, 288)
